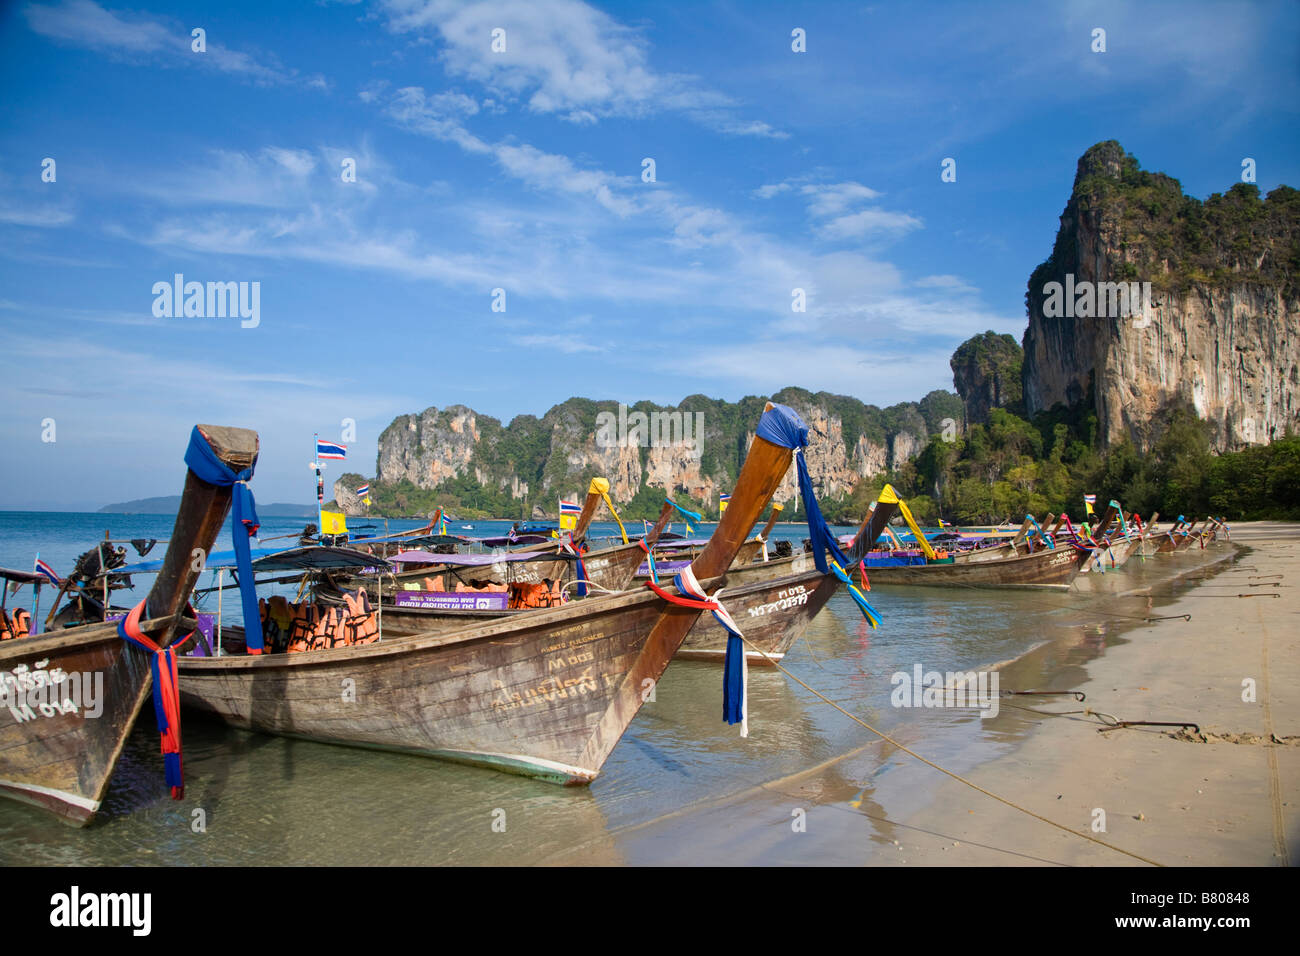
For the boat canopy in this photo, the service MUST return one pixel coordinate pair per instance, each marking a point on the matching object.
(23, 577)
(312, 558)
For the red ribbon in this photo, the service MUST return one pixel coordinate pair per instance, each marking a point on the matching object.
(166, 697)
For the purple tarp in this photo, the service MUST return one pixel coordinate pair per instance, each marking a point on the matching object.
(470, 560)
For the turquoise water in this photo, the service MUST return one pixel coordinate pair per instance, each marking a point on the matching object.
(267, 800)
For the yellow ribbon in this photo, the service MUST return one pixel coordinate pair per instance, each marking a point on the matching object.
(600, 486)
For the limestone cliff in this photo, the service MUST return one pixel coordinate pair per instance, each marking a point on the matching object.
(1217, 328)
(472, 462)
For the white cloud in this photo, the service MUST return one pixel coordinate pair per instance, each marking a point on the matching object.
(868, 222)
(131, 36)
(564, 58)
(831, 199)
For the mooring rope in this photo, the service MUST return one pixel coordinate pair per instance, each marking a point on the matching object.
(930, 763)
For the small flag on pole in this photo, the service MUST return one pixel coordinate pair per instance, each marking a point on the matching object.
(331, 450)
(569, 511)
(44, 569)
(1088, 502)
(723, 501)
(363, 491)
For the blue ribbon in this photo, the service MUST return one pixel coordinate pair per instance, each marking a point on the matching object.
(823, 541)
(733, 683)
(688, 513)
(203, 461)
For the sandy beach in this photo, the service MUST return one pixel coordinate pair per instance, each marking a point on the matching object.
(1223, 797)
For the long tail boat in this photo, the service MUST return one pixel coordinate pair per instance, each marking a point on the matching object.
(1188, 536)
(1049, 567)
(56, 752)
(546, 694)
(1168, 541)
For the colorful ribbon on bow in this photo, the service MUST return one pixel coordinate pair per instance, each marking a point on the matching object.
(166, 696)
(203, 461)
(735, 669)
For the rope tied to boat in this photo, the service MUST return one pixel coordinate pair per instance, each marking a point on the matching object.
(735, 668)
(577, 550)
(166, 695)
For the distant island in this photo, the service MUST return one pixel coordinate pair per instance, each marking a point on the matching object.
(168, 505)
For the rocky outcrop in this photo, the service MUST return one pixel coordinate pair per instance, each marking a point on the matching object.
(986, 373)
(1216, 325)
(692, 450)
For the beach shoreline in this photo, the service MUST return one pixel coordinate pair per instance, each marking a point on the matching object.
(1165, 799)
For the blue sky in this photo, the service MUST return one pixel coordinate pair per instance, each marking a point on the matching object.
(522, 170)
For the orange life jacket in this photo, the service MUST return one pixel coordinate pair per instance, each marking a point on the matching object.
(536, 595)
(329, 630)
(22, 622)
(433, 584)
(6, 629)
(360, 624)
(305, 617)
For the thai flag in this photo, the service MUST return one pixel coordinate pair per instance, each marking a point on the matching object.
(570, 508)
(45, 569)
(363, 491)
(1090, 499)
(331, 449)
(724, 498)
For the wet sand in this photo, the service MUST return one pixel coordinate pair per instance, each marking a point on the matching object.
(1225, 798)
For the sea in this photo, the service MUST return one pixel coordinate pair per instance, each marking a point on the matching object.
(253, 799)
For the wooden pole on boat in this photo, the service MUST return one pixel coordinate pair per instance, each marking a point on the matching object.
(767, 528)
(666, 512)
(1023, 532)
(221, 577)
(771, 521)
(1042, 531)
(588, 512)
(765, 467)
(199, 521)
(1104, 524)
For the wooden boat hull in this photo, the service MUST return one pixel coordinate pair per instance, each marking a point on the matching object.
(1169, 543)
(1111, 557)
(1050, 568)
(993, 553)
(58, 748)
(773, 602)
(58, 756)
(524, 695)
